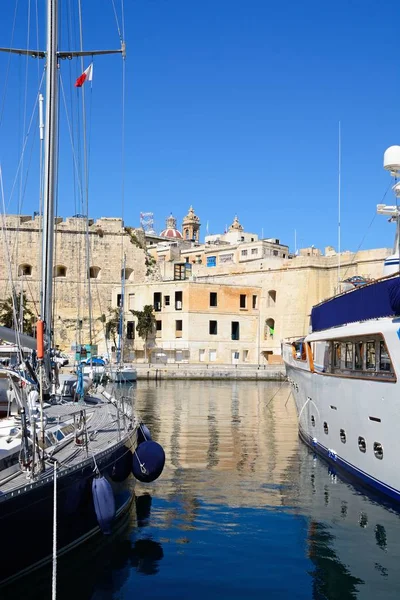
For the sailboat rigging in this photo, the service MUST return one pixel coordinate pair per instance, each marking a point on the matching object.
(78, 456)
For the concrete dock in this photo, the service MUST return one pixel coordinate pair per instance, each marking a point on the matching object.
(200, 371)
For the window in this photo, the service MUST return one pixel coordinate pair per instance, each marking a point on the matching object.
(244, 253)
(178, 300)
(158, 328)
(212, 355)
(370, 355)
(358, 355)
(242, 300)
(349, 356)
(24, 270)
(254, 301)
(94, 272)
(275, 253)
(235, 330)
(384, 359)
(179, 272)
(178, 329)
(226, 258)
(254, 250)
(211, 261)
(213, 328)
(157, 301)
(166, 300)
(271, 297)
(337, 354)
(130, 330)
(213, 298)
(60, 271)
(269, 329)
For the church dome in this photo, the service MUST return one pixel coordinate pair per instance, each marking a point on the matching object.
(170, 231)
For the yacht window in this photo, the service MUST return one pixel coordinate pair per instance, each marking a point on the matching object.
(336, 354)
(370, 355)
(349, 356)
(384, 360)
(358, 357)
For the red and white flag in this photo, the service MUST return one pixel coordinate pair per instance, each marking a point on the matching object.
(86, 76)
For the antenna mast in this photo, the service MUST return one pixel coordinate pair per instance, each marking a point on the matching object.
(339, 198)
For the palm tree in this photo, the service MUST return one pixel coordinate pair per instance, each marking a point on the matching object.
(7, 313)
(145, 323)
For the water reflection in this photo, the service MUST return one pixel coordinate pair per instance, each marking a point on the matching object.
(233, 449)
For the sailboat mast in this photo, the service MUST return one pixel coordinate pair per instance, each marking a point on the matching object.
(50, 168)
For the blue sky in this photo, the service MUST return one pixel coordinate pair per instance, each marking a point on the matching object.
(233, 107)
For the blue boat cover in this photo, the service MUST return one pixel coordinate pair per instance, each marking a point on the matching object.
(378, 299)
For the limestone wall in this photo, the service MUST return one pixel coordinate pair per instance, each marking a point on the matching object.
(108, 242)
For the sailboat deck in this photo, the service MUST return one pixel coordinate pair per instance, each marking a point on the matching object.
(105, 428)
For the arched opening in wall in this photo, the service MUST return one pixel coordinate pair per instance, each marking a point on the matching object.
(269, 329)
(128, 274)
(271, 297)
(24, 270)
(94, 272)
(60, 271)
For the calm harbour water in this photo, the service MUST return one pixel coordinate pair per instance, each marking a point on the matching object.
(242, 510)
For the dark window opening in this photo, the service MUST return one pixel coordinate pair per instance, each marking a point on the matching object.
(166, 300)
(213, 298)
(213, 328)
(178, 329)
(130, 330)
(157, 301)
(235, 330)
(242, 300)
(178, 300)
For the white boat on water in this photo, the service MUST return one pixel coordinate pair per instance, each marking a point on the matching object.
(344, 374)
(123, 373)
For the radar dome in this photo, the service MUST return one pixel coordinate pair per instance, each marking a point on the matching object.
(391, 159)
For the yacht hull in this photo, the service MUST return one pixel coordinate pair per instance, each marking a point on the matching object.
(26, 519)
(335, 413)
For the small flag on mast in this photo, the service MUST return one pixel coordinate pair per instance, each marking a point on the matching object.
(86, 76)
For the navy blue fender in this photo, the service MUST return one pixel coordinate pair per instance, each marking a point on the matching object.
(148, 461)
(122, 464)
(104, 503)
(143, 434)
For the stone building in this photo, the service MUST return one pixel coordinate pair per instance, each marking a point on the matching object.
(257, 284)
(195, 321)
(108, 242)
